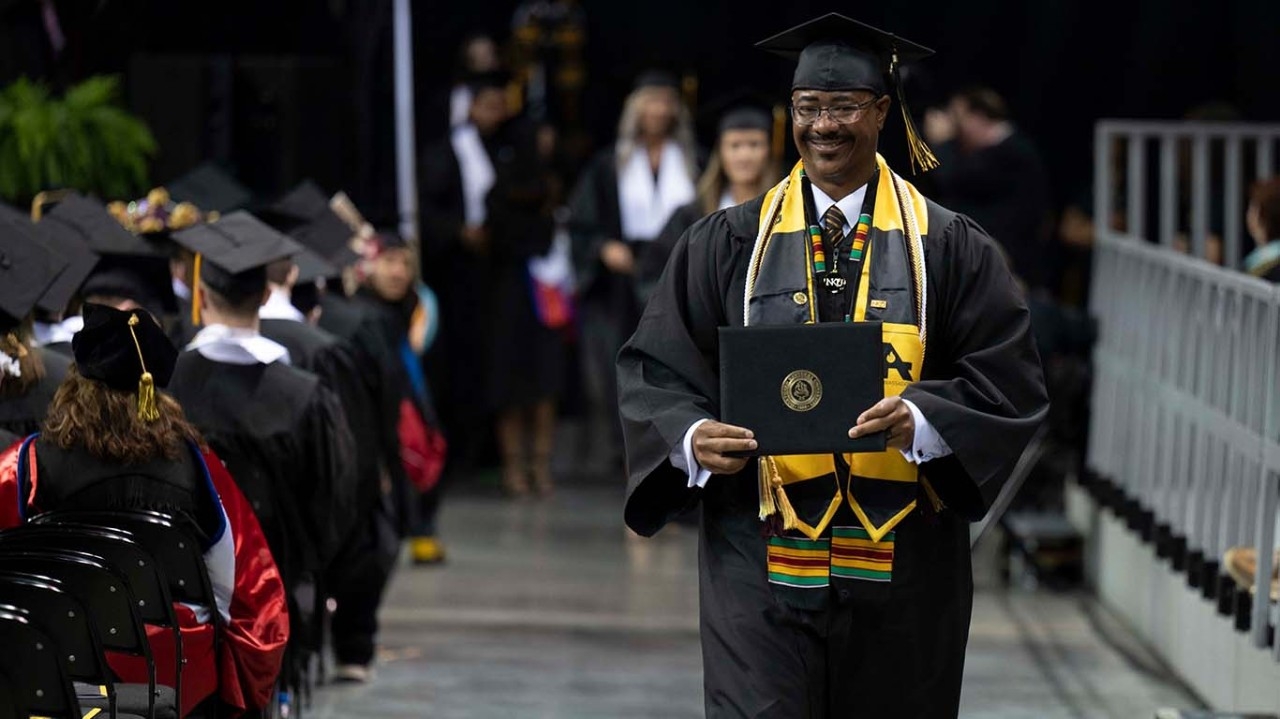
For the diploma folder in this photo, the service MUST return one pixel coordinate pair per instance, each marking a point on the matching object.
(800, 388)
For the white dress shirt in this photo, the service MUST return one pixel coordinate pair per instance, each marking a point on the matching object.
(927, 444)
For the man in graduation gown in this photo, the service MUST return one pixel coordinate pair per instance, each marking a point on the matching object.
(282, 433)
(358, 574)
(835, 585)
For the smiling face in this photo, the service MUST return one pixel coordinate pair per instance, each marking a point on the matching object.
(839, 154)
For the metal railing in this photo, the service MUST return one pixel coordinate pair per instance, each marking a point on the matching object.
(1186, 405)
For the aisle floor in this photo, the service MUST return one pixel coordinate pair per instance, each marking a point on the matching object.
(551, 610)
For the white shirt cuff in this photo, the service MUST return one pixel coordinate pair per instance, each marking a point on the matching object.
(683, 459)
(928, 444)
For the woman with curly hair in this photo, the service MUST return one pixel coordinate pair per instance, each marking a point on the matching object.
(113, 440)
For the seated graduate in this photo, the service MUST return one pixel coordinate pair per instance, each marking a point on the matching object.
(281, 431)
(32, 270)
(114, 440)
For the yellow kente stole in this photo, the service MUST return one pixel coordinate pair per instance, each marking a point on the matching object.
(881, 487)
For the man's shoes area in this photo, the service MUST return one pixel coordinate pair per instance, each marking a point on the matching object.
(1242, 564)
(352, 674)
(426, 550)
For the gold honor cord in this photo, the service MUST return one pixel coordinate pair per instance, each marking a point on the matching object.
(147, 410)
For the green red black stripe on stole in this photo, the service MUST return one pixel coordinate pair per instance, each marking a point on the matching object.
(803, 563)
(855, 556)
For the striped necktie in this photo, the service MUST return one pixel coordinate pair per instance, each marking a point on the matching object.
(833, 227)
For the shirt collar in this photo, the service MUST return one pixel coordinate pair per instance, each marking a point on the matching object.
(279, 307)
(236, 345)
(850, 205)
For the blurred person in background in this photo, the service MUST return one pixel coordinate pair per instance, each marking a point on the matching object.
(477, 56)
(741, 167)
(1263, 221)
(458, 259)
(402, 316)
(993, 173)
(623, 199)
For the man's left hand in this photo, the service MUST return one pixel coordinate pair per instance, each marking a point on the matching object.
(891, 415)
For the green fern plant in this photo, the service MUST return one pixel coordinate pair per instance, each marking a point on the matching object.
(83, 140)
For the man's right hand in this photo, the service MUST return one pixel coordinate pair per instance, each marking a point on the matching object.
(618, 257)
(712, 439)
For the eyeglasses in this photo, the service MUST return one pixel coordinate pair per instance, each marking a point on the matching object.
(840, 114)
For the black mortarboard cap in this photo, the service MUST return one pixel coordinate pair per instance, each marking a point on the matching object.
(147, 259)
(656, 78)
(834, 53)
(126, 351)
(210, 188)
(743, 109)
(236, 248)
(300, 205)
(329, 237)
(80, 262)
(311, 267)
(237, 242)
(27, 268)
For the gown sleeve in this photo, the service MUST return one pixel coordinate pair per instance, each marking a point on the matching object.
(340, 370)
(982, 388)
(667, 377)
(255, 638)
(589, 224)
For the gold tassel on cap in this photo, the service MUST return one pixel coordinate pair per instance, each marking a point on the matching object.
(195, 291)
(922, 158)
(147, 410)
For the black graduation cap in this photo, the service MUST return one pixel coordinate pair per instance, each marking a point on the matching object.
(300, 205)
(27, 268)
(232, 254)
(125, 350)
(80, 262)
(656, 78)
(330, 238)
(742, 109)
(131, 266)
(311, 267)
(210, 188)
(834, 52)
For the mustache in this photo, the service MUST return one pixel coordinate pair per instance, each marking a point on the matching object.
(812, 136)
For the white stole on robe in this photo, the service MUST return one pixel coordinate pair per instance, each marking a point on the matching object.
(646, 205)
(476, 169)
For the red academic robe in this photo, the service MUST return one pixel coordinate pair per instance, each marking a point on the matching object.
(252, 644)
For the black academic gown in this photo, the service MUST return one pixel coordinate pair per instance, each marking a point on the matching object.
(655, 260)
(526, 362)
(900, 654)
(23, 415)
(463, 281)
(286, 441)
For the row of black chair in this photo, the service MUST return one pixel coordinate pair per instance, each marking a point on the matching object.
(74, 585)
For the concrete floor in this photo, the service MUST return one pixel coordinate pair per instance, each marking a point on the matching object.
(550, 609)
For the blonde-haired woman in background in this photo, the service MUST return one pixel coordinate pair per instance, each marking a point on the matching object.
(742, 167)
(623, 200)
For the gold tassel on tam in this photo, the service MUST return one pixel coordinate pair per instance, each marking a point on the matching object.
(922, 158)
(147, 410)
